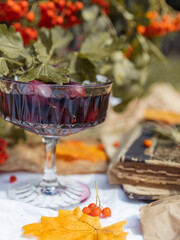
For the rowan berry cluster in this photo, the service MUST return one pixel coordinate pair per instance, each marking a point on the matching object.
(96, 210)
(103, 4)
(27, 33)
(64, 13)
(3, 153)
(60, 12)
(160, 25)
(12, 10)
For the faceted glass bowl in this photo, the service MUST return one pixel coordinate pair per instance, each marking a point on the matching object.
(53, 111)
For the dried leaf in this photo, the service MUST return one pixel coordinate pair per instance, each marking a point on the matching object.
(74, 225)
(76, 150)
(162, 116)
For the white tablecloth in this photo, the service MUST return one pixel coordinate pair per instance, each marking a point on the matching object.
(14, 215)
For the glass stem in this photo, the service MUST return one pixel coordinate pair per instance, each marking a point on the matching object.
(49, 182)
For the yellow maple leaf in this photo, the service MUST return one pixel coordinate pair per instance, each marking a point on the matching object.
(74, 225)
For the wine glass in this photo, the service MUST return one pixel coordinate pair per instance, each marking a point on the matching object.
(53, 111)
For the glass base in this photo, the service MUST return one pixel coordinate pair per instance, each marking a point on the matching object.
(67, 194)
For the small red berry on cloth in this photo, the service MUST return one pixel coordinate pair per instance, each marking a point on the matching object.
(13, 179)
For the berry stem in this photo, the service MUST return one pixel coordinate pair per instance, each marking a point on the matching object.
(97, 195)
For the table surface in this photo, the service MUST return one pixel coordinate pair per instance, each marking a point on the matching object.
(14, 215)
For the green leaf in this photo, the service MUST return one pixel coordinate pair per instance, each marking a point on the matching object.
(99, 46)
(41, 51)
(47, 74)
(11, 42)
(157, 53)
(86, 67)
(45, 37)
(60, 38)
(95, 42)
(4, 70)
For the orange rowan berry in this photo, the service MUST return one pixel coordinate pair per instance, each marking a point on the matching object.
(69, 4)
(17, 25)
(79, 5)
(24, 4)
(16, 8)
(50, 5)
(10, 3)
(68, 12)
(30, 16)
(106, 212)
(13, 179)
(92, 206)
(141, 29)
(59, 20)
(96, 212)
(152, 15)
(147, 143)
(116, 144)
(61, 3)
(101, 146)
(50, 13)
(86, 210)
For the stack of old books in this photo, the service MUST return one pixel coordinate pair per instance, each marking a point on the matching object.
(147, 172)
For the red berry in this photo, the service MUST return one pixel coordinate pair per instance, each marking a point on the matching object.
(10, 3)
(86, 210)
(30, 16)
(2, 160)
(101, 146)
(147, 143)
(76, 90)
(24, 4)
(17, 26)
(50, 5)
(59, 20)
(37, 88)
(13, 179)
(116, 144)
(92, 206)
(96, 212)
(106, 212)
(79, 5)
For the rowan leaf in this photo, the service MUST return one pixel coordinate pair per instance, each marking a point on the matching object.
(45, 37)
(99, 46)
(41, 51)
(4, 70)
(59, 38)
(11, 42)
(47, 74)
(74, 225)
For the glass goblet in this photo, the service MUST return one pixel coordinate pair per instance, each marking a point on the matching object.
(53, 111)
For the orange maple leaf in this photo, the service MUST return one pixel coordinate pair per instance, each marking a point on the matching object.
(74, 225)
